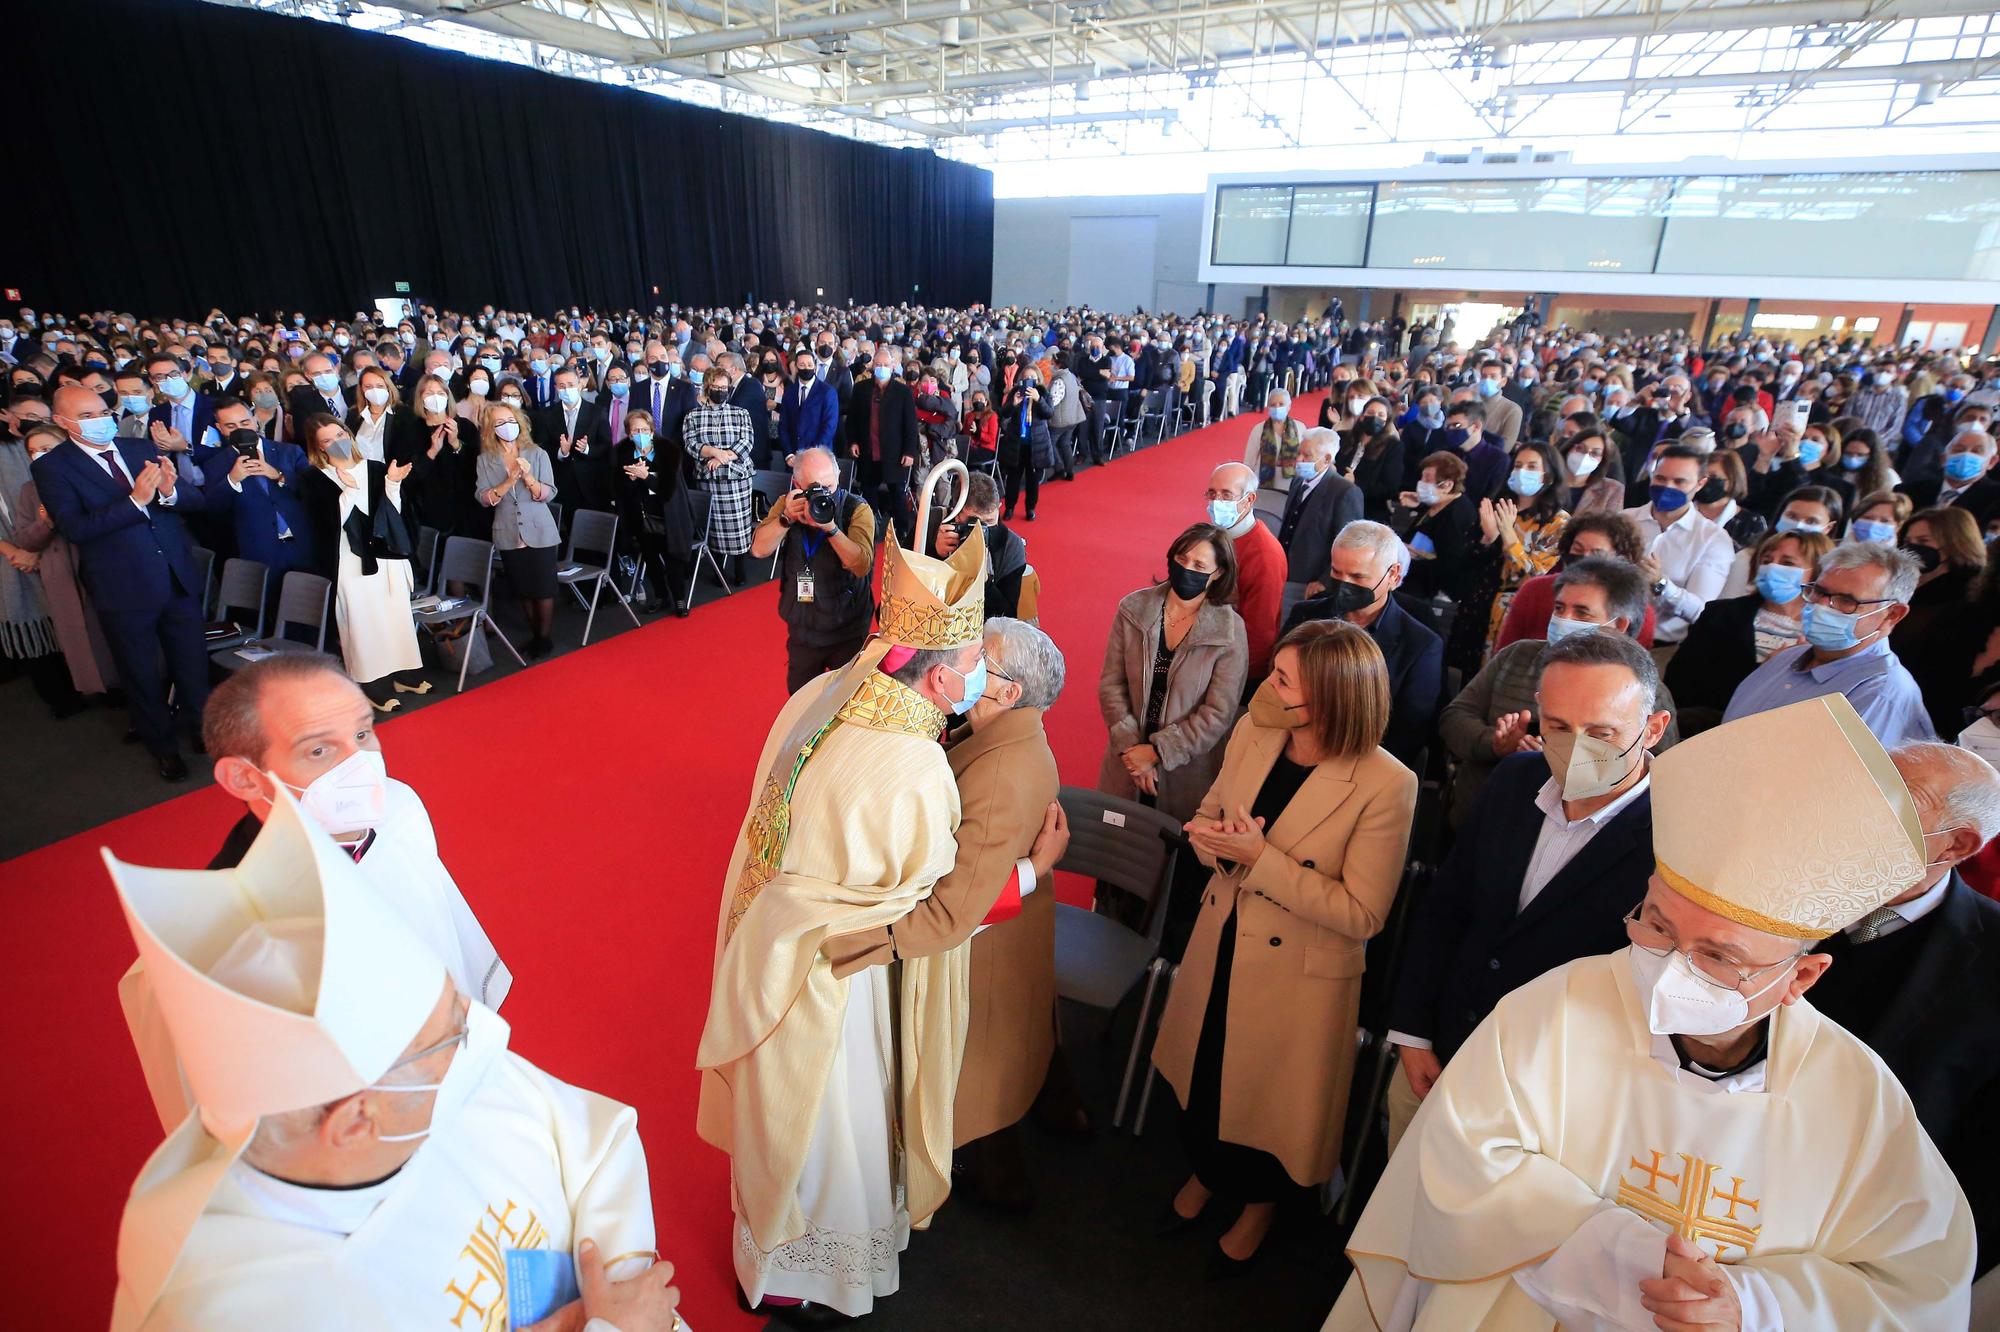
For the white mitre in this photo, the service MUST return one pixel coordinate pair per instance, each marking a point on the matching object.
(286, 982)
(1792, 821)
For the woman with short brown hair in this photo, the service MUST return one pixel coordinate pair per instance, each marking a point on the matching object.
(1306, 830)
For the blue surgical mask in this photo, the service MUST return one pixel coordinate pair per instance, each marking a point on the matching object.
(694, 378)
(882, 373)
(1224, 513)
(133, 402)
(1305, 469)
(1788, 524)
(98, 430)
(1524, 482)
(620, 389)
(642, 441)
(974, 687)
(1872, 529)
(1430, 420)
(569, 397)
(1810, 452)
(1780, 583)
(1854, 462)
(539, 367)
(327, 382)
(1962, 467)
(1829, 630)
(1488, 387)
(1280, 413)
(1561, 627)
(1666, 499)
(1953, 394)
(175, 386)
(491, 363)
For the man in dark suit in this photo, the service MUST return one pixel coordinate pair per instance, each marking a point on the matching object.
(1919, 979)
(579, 443)
(253, 484)
(1556, 850)
(1967, 480)
(323, 394)
(180, 417)
(882, 440)
(1365, 569)
(539, 385)
(114, 500)
(834, 371)
(809, 410)
(749, 394)
(1320, 504)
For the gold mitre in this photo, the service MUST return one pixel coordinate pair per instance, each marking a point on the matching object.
(933, 603)
(1793, 821)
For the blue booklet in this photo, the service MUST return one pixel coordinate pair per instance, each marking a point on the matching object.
(539, 1282)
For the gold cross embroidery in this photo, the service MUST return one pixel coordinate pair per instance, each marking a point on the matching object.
(1687, 1214)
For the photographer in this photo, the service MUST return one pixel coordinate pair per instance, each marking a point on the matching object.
(828, 540)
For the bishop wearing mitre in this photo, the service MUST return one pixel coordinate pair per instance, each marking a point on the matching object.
(833, 1095)
(1671, 1131)
(363, 1151)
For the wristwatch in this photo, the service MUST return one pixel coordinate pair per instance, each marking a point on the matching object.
(1659, 586)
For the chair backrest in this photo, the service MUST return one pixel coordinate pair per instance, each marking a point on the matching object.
(770, 488)
(1122, 843)
(243, 583)
(699, 504)
(204, 564)
(469, 560)
(595, 531)
(302, 601)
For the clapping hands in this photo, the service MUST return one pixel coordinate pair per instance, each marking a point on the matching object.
(1239, 838)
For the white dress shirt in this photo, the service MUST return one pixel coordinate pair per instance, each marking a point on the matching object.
(1694, 555)
(1561, 837)
(114, 467)
(368, 436)
(1910, 912)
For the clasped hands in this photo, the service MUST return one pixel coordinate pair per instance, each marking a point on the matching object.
(1692, 1292)
(1238, 838)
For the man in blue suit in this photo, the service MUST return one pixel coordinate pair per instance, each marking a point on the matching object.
(809, 411)
(115, 501)
(540, 385)
(179, 420)
(1555, 851)
(254, 485)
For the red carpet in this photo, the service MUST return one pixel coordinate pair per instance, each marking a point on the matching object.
(588, 808)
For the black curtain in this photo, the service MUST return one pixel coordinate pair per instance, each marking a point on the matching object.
(169, 156)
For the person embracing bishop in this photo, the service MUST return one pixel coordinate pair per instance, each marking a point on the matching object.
(1670, 1136)
(831, 1094)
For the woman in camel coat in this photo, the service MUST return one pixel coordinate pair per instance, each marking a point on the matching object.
(1306, 830)
(1173, 677)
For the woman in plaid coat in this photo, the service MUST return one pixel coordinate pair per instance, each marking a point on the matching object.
(721, 441)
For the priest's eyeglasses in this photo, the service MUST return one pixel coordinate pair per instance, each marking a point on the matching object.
(457, 1038)
(1709, 964)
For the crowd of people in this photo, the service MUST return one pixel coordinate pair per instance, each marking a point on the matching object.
(1632, 687)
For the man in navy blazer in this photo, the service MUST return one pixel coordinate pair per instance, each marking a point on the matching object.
(115, 501)
(1366, 567)
(1553, 854)
(181, 415)
(258, 494)
(809, 411)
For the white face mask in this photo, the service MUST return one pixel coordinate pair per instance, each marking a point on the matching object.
(1586, 766)
(435, 403)
(485, 1040)
(1582, 465)
(350, 797)
(1682, 1002)
(1983, 739)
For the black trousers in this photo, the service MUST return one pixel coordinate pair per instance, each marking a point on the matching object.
(1023, 470)
(885, 497)
(805, 662)
(141, 641)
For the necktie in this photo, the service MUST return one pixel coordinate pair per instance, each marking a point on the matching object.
(114, 466)
(1869, 927)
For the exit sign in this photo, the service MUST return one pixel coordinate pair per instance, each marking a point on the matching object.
(402, 286)
(13, 293)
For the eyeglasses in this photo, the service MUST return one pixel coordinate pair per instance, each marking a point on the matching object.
(1840, 601)
(1711, 965)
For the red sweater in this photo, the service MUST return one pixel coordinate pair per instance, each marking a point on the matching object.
(1260, 593)
(1535, 601)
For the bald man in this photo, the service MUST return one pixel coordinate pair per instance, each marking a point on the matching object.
(116, 501)
(1260, 562)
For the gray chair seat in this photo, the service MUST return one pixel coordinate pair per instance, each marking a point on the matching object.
(1098, 961)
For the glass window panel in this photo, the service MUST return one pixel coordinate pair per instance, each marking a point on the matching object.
(1250, 224)
(1330, 225)
(1884, 224)
(1571, 224)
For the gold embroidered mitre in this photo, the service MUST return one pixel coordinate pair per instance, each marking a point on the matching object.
(933, 603)
(1793, 821)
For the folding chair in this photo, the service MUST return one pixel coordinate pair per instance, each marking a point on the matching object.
(592, 531)
(242, 588)
(468, 560)
(1098, 959)
(1385, 959)
(768, 491)
(423, 570)
(305, 600)
(1153, 407)
(204, 563)
(700, 503)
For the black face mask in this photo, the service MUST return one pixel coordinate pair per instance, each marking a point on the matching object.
(1348, 598)
(1736, 431)
(1371, 426)
(1928, 557)
(1711, 491)
(1187, 583)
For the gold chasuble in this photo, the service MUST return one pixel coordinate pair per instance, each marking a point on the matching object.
(1809, 1176)
(851, 824)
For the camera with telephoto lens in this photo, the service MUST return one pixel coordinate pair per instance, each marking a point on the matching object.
(820, 504)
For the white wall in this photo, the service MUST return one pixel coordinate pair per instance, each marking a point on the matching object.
(1049, 253)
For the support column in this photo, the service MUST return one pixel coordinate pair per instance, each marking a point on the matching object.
(1903, 325)
(1987, 343)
